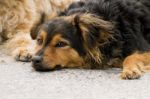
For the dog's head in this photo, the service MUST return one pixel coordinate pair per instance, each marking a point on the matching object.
(70, 41)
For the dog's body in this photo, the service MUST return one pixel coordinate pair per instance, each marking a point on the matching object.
(18, 17)
(93, 34)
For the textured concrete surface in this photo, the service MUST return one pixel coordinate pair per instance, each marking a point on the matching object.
(20, 81)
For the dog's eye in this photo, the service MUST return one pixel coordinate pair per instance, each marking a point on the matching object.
(39, 41)
(61, 44)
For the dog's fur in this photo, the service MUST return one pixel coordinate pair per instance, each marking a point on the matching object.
(17, 17)
(95, 34)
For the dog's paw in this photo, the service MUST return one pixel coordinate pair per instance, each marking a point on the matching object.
(131, 74)
(22, 54)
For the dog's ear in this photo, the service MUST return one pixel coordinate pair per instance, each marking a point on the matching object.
(34, 32)
(94, 31)
(93, 28)
(36, 27)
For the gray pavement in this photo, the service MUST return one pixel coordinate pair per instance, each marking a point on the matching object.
(19, 81)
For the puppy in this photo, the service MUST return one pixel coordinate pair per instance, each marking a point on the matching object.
(96, 34)
(18, 17)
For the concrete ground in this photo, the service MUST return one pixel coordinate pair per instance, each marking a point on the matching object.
(19, 81)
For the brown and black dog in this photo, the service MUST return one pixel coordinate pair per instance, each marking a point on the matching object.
(95, 34)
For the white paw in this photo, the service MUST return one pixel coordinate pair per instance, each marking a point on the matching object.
(131, 74)
(22, 54)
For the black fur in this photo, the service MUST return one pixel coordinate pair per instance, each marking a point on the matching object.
(67, 30)
(132, 22)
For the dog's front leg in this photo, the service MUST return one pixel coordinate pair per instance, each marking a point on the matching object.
(135, 65)
(21, 47)
(23, 54)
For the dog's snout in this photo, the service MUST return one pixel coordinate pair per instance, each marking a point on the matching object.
(37, 59)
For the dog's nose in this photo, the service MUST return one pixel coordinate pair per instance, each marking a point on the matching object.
(37, 59)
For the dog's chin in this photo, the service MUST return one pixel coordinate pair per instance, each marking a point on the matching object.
(42, 68)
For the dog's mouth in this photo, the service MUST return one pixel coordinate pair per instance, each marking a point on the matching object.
(42, 68)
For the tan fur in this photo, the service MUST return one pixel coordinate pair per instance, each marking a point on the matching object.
(66, 57)
(41, 38)
(106, 30)
(17, 17)
(96, 21)
(135, 65)
(60, 4)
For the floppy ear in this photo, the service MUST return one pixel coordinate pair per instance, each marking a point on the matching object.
(44, 17)
(36, 27)
(94, 31)
(93, 28)
(34, 32)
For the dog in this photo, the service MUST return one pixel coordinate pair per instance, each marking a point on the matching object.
(95, 34)
(17, 19)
